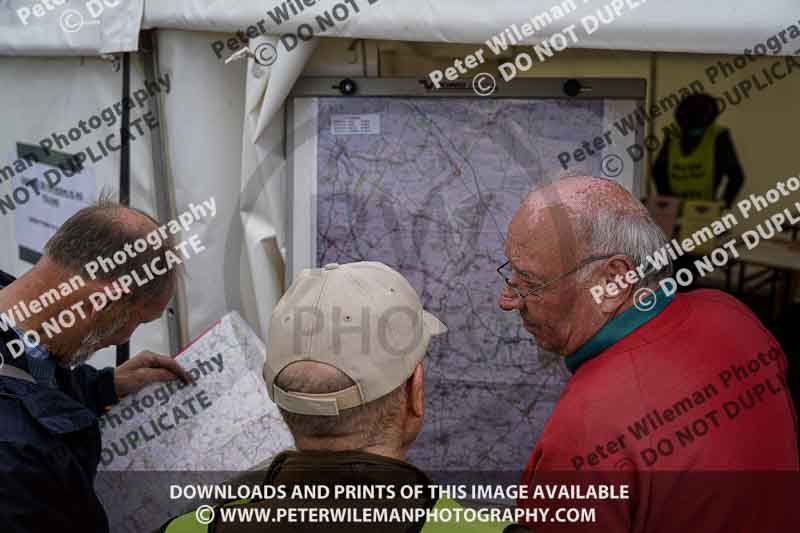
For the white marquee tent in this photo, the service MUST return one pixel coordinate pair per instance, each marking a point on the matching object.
(221, 126)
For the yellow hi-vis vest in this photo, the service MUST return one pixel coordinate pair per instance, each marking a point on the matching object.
(691, 176)
(188, 523)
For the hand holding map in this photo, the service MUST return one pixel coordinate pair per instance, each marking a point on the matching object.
(220, 423)
(145, 368)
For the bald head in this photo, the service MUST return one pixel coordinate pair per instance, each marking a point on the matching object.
(119, 267)
(569, 210)
(581, 196)
(573, 231)
(102, 230)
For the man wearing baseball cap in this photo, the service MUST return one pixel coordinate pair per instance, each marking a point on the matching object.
(344, 365)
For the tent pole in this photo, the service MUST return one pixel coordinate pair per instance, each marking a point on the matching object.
(163, 187)
(124, 349)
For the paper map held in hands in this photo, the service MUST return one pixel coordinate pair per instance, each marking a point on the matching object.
(223, 422)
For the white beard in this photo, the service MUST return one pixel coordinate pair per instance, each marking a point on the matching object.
(89, 345)
(94, 339)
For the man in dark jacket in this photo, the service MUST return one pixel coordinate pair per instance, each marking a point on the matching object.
(51, 320)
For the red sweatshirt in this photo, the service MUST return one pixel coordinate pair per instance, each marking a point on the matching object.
(691, 411)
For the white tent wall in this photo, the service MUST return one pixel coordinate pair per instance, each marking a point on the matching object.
(76, 27)
(242, 267)
(677, 25)
(40, 97)
(651, 25)
(224, 129)
(201, 123)
(264, 172)
(203, 117)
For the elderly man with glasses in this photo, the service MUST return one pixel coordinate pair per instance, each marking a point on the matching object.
(667, 392)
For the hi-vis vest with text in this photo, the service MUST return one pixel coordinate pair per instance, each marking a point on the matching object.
(188, 523)
(691, 176)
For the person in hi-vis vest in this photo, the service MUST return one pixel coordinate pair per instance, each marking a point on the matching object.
(697, 153)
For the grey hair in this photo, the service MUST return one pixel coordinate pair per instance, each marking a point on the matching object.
(367, 425)
(633, 233)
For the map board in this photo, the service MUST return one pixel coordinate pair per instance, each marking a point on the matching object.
(428, 186)
(222, 423)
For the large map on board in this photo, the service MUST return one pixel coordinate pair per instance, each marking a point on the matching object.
(428, 186)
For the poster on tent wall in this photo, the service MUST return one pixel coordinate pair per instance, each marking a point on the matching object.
(205, 432)
(428, 185)
(47, 189)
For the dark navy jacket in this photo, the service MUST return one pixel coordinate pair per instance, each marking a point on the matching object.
(50, 447)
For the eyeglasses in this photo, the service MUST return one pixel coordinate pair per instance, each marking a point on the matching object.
(506, 270)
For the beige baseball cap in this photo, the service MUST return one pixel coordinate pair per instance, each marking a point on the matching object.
(363, 318)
